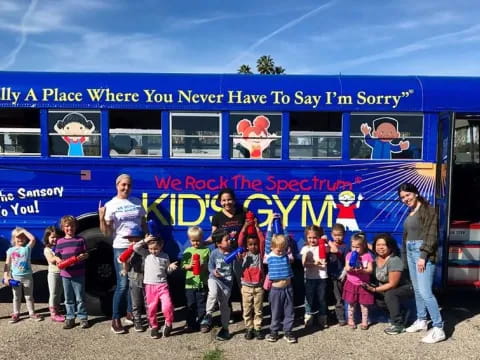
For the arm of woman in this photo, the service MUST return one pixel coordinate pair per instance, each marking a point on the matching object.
(105, 226)
(430, 242)
(393, 281)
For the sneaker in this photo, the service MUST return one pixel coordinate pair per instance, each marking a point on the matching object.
(308, 320)
(36, 317)
(418, 325)
(435, 335)
(323, 322)
(129, 319)
(258, 334)
(14, 319)
(154, 333)
(289, 337)
(69, 324)
(394, 330)
(272, 336)
(223, 335)
(138, 326)
(206, 324)
(84, 324)
(249, 335)
(117, 327)
(166, 330)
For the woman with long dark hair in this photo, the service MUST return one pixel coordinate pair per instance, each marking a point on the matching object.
(420, 245)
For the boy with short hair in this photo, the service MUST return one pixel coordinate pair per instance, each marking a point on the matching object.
(195, 284)
(281, 294)
(252, 279)
(73, 277)
(219, 284)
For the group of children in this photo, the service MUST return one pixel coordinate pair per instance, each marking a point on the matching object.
(209, 277)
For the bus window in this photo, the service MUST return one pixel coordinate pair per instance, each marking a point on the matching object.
(74, 133)
(19, 132)
(255, 135)
(195, 135)
(135, 133)
(466, 143)
(386, 136)
(315, 135)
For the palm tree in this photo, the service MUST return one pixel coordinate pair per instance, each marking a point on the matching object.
(244, 69)
(265, 65)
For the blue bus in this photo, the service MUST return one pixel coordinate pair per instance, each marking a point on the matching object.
(316, 149)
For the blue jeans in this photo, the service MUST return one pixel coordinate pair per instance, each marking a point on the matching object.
(315, 296)
(422, 285)
(74, 291)
(121, 297)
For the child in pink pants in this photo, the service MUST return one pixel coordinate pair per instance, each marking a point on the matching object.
(157, 266)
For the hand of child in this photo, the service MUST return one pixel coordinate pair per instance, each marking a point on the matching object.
(217, 274)
(188, 267)
(83, 256)
(173, 266)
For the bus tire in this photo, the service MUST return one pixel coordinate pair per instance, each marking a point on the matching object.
(100, 272)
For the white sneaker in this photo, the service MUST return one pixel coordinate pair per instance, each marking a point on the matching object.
(308, 320)
(435, 335)
(418, 325)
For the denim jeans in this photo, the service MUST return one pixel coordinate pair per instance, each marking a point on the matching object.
(422, 285)
(74, 291)
(315, 296)
(121, 297)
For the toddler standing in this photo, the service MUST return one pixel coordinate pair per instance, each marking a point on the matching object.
(195, 284)
(358, 274)
(54, 280)
(252, 279)
(157, 266)
(18, 267)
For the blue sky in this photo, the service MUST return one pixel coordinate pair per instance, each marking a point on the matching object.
(425, 37)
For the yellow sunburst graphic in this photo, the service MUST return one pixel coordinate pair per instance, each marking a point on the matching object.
(426, 169)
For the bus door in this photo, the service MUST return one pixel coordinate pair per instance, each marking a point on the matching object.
(464, 234)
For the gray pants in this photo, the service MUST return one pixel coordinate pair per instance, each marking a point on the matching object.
(137, 295)
(27, 287)
(337, 286)
(55, 288)
(221, 293)
(281, 306)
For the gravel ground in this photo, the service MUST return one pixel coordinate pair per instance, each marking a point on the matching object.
(46, 340)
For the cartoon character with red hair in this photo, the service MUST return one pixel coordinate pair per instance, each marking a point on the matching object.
(255, 137)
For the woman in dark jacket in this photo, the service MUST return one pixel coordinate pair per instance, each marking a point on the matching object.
(420, 244)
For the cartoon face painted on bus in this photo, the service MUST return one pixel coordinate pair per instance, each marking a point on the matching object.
(74, 129)
(385, 129)
(255, 137)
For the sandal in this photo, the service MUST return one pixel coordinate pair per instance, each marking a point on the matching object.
(364, 327)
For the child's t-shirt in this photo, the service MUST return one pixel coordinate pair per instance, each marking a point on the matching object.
(20, 260)
(359, 278)
(279, 267)
(196, 281)
(52, 268)
(316, 271)
(336, 261)
(252, 270)
(67, 248)
(217, 262)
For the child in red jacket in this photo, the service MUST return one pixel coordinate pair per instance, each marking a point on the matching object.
(252, 278)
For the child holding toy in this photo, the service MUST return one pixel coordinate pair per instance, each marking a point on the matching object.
(18, 267)
(195, 263)
(252, 278)
(358, 273)
(73, 276)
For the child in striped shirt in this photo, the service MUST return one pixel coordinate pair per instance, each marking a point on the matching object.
(281, 294)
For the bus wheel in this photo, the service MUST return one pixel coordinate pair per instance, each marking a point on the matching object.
(100, 272)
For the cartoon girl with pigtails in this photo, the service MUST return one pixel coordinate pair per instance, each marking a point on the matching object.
(255, 137)
(74, 129)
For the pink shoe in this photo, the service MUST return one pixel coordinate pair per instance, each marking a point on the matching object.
(55, 316)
